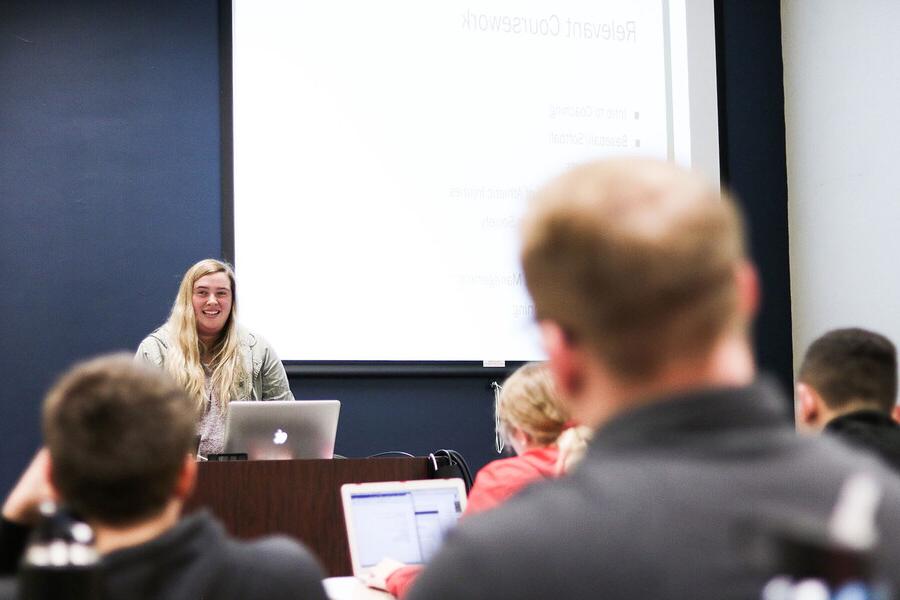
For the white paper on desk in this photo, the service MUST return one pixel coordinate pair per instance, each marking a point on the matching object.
(351, 588)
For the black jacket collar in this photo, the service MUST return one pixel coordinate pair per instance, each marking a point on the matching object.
(870, 418)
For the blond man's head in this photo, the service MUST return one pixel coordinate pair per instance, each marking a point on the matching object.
(635, 260)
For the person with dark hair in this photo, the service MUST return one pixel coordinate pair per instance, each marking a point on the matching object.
(119, 440)
(645, 296)
(847, 386)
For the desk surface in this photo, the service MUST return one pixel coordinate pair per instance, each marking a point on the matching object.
(351, 588)
(300, 498)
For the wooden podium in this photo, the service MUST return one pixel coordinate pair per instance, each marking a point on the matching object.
(299, 498)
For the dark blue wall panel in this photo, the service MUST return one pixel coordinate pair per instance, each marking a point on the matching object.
(109, 183)
(413, 414)
(751, 124)
(109, 189)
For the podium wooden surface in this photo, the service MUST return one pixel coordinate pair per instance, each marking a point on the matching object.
(300, 498)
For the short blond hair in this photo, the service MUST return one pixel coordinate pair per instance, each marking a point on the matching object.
(528, 401)
(635, 259)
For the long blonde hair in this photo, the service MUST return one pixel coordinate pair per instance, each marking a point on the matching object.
(183, 359)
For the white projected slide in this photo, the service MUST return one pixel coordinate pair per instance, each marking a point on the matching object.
(384, 153)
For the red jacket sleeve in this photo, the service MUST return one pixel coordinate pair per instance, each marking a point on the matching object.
(399, 582)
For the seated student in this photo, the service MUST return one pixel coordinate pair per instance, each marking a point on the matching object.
(119, 438)
(203, 348)
(644, 298)
(847, 385)
(532, 421)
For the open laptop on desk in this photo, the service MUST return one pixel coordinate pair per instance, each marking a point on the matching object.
(401, 520)
(282, 429)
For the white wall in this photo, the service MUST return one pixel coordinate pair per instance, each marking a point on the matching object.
(842, 114)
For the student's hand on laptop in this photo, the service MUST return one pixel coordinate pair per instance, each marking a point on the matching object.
(377, 577)
(22, 504)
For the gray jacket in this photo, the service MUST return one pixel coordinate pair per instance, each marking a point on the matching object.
(267, 382)
(666, 505)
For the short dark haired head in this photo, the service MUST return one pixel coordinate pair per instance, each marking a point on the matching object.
(118, 434)
(852, 365)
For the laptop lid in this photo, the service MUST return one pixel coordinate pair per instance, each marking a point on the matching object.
(403, 520)
(282, 429)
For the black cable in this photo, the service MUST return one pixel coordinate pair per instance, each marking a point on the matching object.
(390, 452)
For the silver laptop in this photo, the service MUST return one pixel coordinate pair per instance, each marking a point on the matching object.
(402, 520)
(282, 429)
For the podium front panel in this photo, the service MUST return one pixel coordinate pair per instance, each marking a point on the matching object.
(299, 498)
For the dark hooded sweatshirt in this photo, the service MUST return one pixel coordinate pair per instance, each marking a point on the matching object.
(197, 559)
(871, 431)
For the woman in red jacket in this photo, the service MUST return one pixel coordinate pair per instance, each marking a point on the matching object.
(532, 422)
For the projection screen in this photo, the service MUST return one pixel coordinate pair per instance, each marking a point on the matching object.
(384, 152)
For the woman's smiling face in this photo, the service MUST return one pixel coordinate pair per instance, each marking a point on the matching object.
(212, 300)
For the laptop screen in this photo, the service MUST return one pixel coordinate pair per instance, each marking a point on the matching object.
(406, 525)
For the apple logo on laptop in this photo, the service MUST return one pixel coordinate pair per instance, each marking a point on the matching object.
(280, 437)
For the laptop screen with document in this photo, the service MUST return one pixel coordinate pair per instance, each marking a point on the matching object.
(406, 521)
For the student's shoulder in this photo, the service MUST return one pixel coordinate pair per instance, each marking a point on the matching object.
(832, 459)
(501, 479)
(275, 567)
(526, 538)
(505, 469)
(547, 506)
(8, 588)
(836, 456)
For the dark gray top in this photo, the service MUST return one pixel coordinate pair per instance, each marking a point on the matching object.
(196, 559)
(664, 506)
(870, 431)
